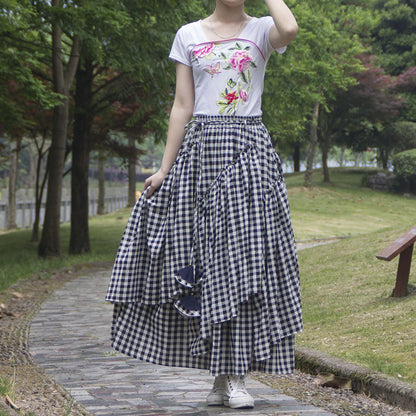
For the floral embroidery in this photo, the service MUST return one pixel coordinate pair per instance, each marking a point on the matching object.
(213, 69)
(231, 96)
(204, 51)
(243, 95)
(230, 100)
(240, 61)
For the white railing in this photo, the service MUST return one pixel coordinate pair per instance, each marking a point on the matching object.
(25, 211)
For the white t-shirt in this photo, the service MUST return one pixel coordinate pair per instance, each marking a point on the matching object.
(228, 74)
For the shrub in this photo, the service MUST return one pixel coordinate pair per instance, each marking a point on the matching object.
(405, 169)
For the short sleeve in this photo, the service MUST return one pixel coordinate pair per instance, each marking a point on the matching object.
(268, 23)
(179, 50)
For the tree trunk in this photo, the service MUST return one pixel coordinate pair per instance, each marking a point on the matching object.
(50, 243)
(132, 172)
(101, 183)
(14, 164)
(341, 157)
(296, 157)
(33, 165)
(356, 159)
(325, 169)
(325, 145)
(384, 156)
(312, 145)
(80, 240)
(39, 189)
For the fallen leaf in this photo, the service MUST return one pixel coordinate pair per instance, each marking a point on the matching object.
(10, 403)
(331, 380)
(13, 314)
(17, 295)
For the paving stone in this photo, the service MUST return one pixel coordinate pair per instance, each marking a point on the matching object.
(70, 339)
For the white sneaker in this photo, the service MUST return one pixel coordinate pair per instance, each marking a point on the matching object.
(236, 396)
(217, 393)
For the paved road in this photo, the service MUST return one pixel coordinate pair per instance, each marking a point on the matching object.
(70, 339)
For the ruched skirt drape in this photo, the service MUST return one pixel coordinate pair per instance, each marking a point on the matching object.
(223, 209)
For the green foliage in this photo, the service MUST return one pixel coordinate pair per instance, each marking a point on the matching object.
(405, 163)
(20, 63)
(316, 65)
(394, 36)
(405, 168)
(401, 135)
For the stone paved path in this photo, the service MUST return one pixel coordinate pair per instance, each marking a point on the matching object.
(70, 339)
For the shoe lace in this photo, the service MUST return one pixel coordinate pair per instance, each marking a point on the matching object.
(237, 384)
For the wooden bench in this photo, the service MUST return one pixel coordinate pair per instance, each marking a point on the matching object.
(403, 246)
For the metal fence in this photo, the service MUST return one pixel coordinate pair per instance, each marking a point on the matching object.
(25, 211)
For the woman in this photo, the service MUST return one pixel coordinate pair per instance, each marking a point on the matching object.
(206, 275)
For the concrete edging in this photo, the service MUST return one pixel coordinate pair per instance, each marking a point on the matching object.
(377, 385)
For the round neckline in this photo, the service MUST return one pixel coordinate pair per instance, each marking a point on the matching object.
(206, 39)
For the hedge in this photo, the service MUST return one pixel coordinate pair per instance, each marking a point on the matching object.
(405, 169)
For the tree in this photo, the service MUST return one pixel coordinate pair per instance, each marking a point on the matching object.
(119, 68)
(19, 120)
(317, 64)
(63, 76)
(394, 37)
(79, 239)
(13, 168)
(406, 85)
(393, 41)
(20, 65)
(357, 116)
(70, 24)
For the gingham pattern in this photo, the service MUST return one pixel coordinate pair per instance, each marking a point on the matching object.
(222, 207)
(159, 335)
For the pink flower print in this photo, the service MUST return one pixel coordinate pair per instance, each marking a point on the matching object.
(230, 97)
(243, 95)
(240, 60)
(204, 51)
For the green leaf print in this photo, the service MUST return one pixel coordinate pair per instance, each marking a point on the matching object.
(243, 75)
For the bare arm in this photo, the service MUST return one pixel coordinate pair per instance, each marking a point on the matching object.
(180, 115)
(285, 27)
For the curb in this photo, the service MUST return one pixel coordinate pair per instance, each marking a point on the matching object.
(363, 380)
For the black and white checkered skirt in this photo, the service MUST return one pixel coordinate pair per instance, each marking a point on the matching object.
(223, 209)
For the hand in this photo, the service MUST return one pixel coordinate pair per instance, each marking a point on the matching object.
(154, 182)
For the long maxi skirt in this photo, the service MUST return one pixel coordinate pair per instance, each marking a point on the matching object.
(223, 209)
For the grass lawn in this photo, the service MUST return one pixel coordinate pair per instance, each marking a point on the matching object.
(348, 310)
(18, 257)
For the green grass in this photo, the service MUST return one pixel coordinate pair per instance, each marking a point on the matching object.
(344, 207)
(18, 257)
(347, 306)
(348, 310)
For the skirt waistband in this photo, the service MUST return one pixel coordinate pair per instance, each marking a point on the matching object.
(241, 120)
